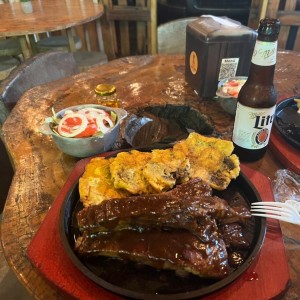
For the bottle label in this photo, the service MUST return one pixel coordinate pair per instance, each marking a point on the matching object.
(252, 126)
(264, 53)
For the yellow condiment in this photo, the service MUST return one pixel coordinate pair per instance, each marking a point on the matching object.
(106, 95)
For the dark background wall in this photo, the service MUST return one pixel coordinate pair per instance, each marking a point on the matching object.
(168, 10)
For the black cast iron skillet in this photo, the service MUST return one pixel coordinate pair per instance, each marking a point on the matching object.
(142, 282)
(287, 121)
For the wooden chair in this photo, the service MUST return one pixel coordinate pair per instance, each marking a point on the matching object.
(129, 29)
(7, 64)
(88, 46)
(39, 69)
(10, 47)
(171, 36)
(287, 11)
(42, 68)
(10, 56)
(92, 52)
(57, 43)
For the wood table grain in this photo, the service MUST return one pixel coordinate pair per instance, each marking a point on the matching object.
(41, 169)
(47, 16)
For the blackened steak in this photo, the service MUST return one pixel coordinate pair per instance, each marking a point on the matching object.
(176, 250)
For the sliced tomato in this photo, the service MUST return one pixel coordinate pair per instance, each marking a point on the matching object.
(67, 128)
(90, 130)
(73, 121)
(233, 83)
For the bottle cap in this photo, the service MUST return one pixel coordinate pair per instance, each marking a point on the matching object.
(105, 89)
(269, 26)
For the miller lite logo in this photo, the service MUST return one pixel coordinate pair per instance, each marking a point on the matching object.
(262, 123)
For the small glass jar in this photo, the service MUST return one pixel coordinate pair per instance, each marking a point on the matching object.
(106, 95)
(26, 6)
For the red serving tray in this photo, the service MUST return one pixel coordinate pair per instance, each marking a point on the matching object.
(287, 154)
(267, 278)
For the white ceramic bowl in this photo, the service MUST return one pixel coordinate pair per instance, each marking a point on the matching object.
(226, 99)
(84, 147)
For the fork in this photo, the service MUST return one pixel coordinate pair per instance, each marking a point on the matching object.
(277, 210)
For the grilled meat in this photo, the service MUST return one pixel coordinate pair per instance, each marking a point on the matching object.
(157, 208)
(175, 250)
(149, 212)
(193, 188)
(177, 230)
(189, 206)
(232, 234)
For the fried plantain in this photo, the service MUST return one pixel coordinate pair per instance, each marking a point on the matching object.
(196, 142)
(127, 172)
(137, 173)
(96, 185)
(166, 168)
(211, 159)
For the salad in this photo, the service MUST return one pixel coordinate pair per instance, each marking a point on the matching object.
(231, 88)
(82, 123)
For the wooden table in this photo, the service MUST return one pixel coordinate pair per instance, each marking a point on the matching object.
(47, 16)
(41, 169)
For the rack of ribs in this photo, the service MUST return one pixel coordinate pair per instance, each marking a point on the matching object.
(176, 230)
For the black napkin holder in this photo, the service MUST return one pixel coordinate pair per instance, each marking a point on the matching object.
(215, 51)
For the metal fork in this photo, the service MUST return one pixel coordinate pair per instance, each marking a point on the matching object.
(277, 210)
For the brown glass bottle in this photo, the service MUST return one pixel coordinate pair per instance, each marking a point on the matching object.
(257, 98)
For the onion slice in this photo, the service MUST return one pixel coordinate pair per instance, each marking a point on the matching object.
(92, 113)
(74, 130)
(104, 123)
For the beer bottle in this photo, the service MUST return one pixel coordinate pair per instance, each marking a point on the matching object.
(257, 98)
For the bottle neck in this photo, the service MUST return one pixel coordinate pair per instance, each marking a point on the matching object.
(263, 62)
(261, 74)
